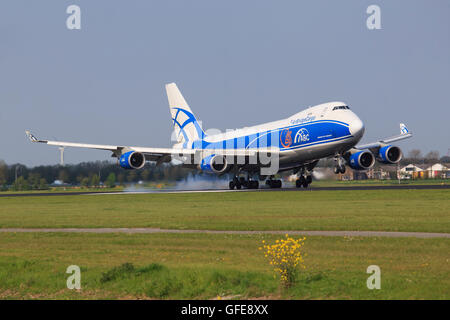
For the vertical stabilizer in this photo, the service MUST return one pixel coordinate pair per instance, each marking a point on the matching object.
(187, 128)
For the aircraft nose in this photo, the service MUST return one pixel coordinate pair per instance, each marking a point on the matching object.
(357, 128)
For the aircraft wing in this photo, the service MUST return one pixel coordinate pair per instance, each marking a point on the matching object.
(155, 154)
(404, 134)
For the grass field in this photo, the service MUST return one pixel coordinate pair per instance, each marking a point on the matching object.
(377, 182)
(207, 266)
(385, 210)
(166, 266)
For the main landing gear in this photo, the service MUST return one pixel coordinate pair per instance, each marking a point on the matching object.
(273, 183)
(304, 179)
(239, 182)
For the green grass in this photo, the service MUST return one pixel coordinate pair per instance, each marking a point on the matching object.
(376, 182)
(185, 266)
(65, 190)
(385, 210)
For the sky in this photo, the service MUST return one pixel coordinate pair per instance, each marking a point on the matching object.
(238, 63)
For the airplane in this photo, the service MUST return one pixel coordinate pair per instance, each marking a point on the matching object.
(297, 143)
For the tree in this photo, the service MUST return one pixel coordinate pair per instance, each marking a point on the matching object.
(121, 178)
(43, 184)
(79, 178)
(432, 157)
(132, 176)
(95, 180)
(3, 173)
(145, 174)
(415, 154)
(111, 180)
(21, 184)
(84, 182)
(63, 176)
(34, 180)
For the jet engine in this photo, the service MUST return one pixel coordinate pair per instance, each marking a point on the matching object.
(132, 160)
(361, 160)
(389, 154)
(214, 164)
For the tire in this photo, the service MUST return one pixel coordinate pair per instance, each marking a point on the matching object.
(301, 181)
(342, 169)
(238, 186)
(305, 184)
(337, 170)
(298, 183)
(231, 185)
(309, 179)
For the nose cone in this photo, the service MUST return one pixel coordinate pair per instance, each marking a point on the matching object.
(356, 128)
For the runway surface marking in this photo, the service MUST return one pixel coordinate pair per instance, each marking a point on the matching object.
(281, 232)
(168, 191)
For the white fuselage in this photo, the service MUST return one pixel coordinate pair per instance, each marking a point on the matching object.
(316, 132)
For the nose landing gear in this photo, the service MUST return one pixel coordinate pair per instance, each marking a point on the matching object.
(340, 165)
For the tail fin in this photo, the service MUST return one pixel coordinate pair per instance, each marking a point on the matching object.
(187, 128)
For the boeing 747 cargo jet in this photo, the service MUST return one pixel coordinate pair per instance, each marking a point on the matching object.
(329, 130)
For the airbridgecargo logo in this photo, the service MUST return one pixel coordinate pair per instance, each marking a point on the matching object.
(286, 138)
(301, 136)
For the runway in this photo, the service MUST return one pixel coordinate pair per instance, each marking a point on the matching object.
(281, 232)
(263, 189)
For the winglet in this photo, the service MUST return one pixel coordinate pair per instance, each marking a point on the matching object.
(32, 137)
(403, 129)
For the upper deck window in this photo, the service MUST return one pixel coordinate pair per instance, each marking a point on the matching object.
(340, 107)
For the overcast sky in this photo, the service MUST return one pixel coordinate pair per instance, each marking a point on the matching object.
(238, 63)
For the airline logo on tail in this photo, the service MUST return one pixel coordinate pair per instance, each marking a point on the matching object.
(403, 129)
(186, 126)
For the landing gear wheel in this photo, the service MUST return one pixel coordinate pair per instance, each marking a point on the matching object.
(273, 183)
(276, 184)
(300, 182)
(309, 179)
(231, 185)
(253, 184)
(238, 186)
(339, 169)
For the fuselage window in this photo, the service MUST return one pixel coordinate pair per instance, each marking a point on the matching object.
(340, 108)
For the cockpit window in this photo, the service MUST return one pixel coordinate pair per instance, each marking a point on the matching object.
(340, 107)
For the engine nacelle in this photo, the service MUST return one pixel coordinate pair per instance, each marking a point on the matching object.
(389, 154)
(214, 164)
(361, 160)
(132, 160)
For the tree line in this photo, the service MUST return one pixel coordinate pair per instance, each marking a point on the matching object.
(107, 173)
(86, 174)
